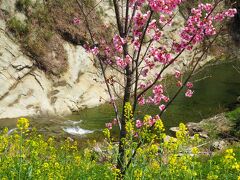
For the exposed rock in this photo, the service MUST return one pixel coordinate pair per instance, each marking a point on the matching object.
(25, 90)
(193, 128)
(218, 123)
(218, 145)
(174, 129)
(8, 6)
(203, 135)
(167, 138)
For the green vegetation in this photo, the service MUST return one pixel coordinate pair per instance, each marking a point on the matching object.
(28, 155)
(23, 5)
(25, 154)
(17, 27)
(234, 116)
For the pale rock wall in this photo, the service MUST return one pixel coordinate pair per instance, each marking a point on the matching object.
(26, 91)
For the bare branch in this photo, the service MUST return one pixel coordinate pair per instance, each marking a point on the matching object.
(117, 14)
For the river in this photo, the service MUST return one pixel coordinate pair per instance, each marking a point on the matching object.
(216, 88)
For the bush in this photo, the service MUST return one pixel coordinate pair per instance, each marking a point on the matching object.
(23, 5)
(234, 116)
(17, 26)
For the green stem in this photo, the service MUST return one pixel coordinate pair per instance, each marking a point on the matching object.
(20, 164)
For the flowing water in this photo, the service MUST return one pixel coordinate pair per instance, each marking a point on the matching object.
(216, 89)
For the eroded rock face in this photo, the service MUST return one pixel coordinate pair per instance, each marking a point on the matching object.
(25, 90)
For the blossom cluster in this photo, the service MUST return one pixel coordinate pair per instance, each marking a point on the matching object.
(122, 63)
(199, 25)
(164, 6)
(149, 121)
(143, 26)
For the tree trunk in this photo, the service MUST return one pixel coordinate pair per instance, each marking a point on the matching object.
(122, 136)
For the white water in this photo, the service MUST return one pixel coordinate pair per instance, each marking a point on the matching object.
(76, 130)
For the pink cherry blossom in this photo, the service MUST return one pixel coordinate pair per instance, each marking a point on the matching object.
(118, 43)
(162, 107)
(157, 35)
(150, 100)
(76, 21)
(177, 74)
(140, 19)
(179, 84)
(164, 6)
(108, 125)
(120, 62)
(151, 121)
(128, 59)
(142, 86)
(150, 64)
(189, 93)
(107, 51)
(95, 51)
(139, 123)
(141, 101)
(158, 89)
(165, 98)
(144, 72)
(136, 44)
(189, 85)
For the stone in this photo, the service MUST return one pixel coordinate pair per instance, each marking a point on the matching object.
(203, 135)
(174, 129)
(8, 6)
(218, 145)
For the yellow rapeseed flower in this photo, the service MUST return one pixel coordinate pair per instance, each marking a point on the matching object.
(236, 166)
(138, 174)
(155, 165)
(211, 176)
(45, 165)
(195, 150)
(23, 123)
(159, 125)
(229, 151)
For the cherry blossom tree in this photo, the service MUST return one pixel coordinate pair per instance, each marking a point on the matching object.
(139, 54)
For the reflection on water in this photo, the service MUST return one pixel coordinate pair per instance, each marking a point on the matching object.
(216, 89)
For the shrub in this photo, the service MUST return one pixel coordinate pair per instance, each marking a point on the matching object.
(17, 26)
(234, 116)
(23, 5)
